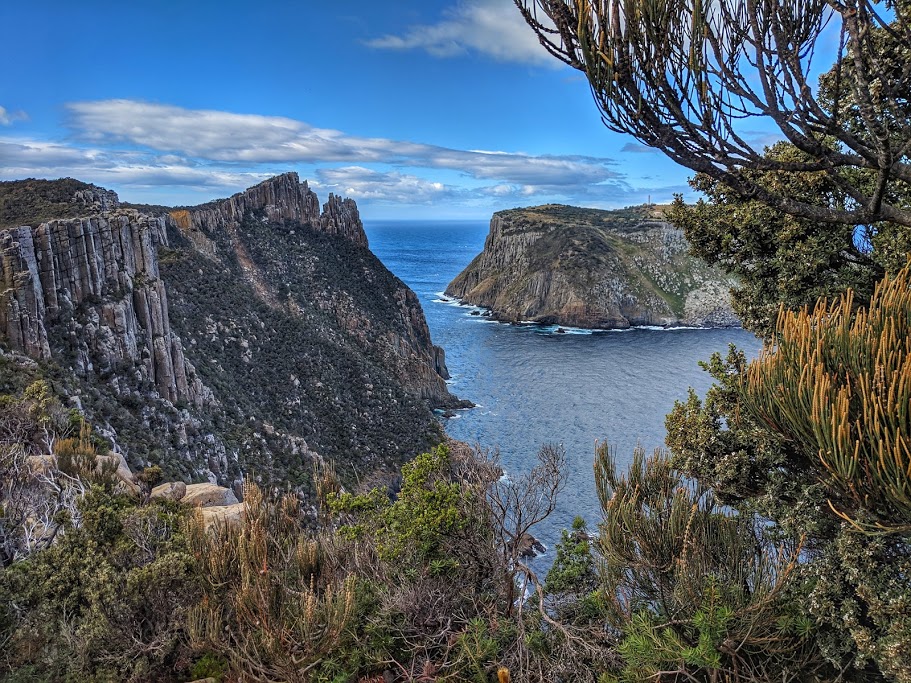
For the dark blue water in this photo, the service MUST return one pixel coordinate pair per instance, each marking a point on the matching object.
(534, 386)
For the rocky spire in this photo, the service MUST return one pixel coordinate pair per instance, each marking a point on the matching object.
(281, 199)
(340, 217)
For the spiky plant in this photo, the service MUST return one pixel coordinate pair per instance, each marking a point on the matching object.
(837, 387)
(269, 607)
(693, 590)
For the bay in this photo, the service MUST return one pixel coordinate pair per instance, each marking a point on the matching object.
(534, 386)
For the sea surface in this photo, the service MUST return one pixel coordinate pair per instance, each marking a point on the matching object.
(534, 386)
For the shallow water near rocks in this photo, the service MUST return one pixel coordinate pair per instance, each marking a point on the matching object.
(534, 385)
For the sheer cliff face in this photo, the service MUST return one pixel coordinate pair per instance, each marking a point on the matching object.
(268, 229)
(92, 285)
(252, 332)
(596, 269)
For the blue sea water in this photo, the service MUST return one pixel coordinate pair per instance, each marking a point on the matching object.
(534, 386)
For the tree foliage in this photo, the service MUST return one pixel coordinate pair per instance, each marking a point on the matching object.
(107, 602)
(778, 259)
(685, 76)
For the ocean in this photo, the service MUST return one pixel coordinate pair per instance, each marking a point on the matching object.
(533, 386)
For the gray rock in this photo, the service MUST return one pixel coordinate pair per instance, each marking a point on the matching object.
(208, 495)
(282, 199)
(529, 546)
(106, 266)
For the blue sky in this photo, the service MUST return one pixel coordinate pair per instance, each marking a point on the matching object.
(415, 108)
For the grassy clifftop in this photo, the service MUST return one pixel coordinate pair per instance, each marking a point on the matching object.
(31, 201)
(550, 216)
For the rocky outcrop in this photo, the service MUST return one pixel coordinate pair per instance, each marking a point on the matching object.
(282, 200)
(405, 345)
(173, 490)
(341, 217)
(208, 495)
(96, 199)
(95, 282)
(596, 269)
(113, 465)
(255, 333)
(528, 546)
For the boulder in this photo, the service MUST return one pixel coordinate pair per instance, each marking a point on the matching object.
(208, 495)
(173, 490)
(121, 470)
(529, 546)
(222, 515)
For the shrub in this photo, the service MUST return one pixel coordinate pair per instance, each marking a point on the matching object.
(108, 600)
(813, 435)
(270, 606)
(692, 590)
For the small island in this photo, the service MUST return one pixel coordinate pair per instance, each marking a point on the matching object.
(596, 269)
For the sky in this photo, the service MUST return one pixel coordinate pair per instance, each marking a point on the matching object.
(417, 109)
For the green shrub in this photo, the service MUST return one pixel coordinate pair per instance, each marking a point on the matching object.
(692, 590)
(108, 600)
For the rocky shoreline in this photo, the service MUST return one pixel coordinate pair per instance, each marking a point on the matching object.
(564, 328)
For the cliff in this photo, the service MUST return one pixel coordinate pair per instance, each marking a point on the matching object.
(255, 332)
(94, 282)
(589, 268)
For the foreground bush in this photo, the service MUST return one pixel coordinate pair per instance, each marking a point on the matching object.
(814, 436)
(107, 601)
(693, 591)
(271, 607)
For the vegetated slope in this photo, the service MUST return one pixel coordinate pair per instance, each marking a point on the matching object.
(556, 264)
(34, 200)
(255, 333)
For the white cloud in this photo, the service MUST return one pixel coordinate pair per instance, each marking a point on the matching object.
(24, 158)
(391, 187)
(8, 117)
(162, 151)
(253, 139)
(491, 27)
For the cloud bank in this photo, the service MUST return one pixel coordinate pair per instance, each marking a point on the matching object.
(131, 143)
